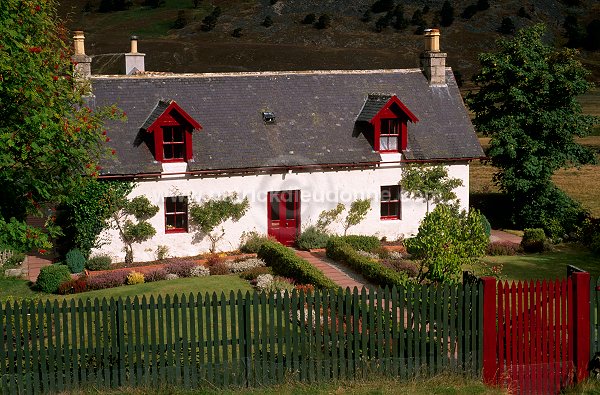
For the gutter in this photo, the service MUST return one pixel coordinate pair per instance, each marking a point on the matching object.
(280, 169)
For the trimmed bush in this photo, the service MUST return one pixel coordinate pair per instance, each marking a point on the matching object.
(155, 275)
(134, 278)
(51, 277)
(362, 243)
(73, 286)
(252, 274)
(244, 265)
(312, 238)
(75, 261)
(99, 262)
(181, 269)
(339, 250)
(534, 240)
(497, 248)
(214, 259)
(402, 266)
(251, 241)
(285, 263)
(486, 225)
(108, 280)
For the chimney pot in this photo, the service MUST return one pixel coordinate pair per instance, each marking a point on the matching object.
(134, 61)
(83, 62)
(433, 62)
(134, 40)
(79, 41)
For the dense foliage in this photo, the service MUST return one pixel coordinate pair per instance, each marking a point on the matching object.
(339, 250)
(357, 212)
(285, 263)
(534, 240)
(50, 141)
(362, 243)
(311, 238)
(51, 277)
(430, 183)
(211, 213)
(131, 220)
(75, 261)
(447, 239)
(99, 262)
(527, 103)
(88, 213)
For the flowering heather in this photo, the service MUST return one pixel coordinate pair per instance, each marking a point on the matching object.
(502, 248)
(155, 275)
(244, 265)
(181, 269)
(108, 280)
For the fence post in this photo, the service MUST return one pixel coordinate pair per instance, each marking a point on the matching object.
(580, 306)
(490, 365)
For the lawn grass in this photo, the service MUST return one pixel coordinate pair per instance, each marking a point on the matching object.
(18, 289)
(547, 265)
(443, 384)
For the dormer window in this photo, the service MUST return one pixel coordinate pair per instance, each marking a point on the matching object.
(172, 128)
(388, 118)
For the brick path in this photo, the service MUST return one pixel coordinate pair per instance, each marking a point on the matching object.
(498, 235)
(339, 274)
(33, 264)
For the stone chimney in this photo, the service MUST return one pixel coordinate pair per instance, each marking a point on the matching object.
(83, 63)
(134, 61)
(433, 62)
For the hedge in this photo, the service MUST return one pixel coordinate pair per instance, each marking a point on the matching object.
(285, 263)
(339, 250)
(362, 243)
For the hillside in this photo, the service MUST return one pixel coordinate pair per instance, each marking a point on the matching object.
(288, 44)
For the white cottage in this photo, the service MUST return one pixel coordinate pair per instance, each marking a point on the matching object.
(294, 143)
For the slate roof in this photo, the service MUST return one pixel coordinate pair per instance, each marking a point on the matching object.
(160, 108)
(316, 113)
(372, 106)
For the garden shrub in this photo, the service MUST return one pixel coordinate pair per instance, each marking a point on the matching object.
(487, 227)
(402, 266)
(286, 263)
(75, 261)
(497, 248)
(98, 262)
(51, 277)
(251, 241)
(73, 286)
(134, 278)
(108, 280)
(244, 265)
(339, 250)
(14, 259)
(312, 238)
(218, 269)
(214, 259)
(171, 276)
(306, 288)
(252, 274)
(200, 271)
(181, 268)
(362, 243)
(534, 240)
(155, 275)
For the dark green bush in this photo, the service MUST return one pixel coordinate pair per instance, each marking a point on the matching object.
(534, 240)
(486, 225)
(51, 277)
(362, 243)
(285, 263)
(75, 261)
(312, 238)
(99, 262)
(339, 250)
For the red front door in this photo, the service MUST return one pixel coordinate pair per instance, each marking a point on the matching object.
(284, 215)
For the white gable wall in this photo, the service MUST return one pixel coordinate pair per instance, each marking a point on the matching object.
(319, 191)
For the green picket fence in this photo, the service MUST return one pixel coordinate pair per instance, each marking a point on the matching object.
(240, 340)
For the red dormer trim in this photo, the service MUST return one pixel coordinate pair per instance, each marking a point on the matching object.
(173, 117)
(391, 120)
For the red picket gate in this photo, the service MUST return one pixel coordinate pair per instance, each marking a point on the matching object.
(536, 335)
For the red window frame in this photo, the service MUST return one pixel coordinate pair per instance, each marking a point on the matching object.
(173, 144)
(390, 202)
(391, 129)
(176, 212)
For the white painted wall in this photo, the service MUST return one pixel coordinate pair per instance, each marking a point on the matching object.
(319, 191)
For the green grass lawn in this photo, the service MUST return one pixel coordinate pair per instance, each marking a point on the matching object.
(18, 289)
(547, 265)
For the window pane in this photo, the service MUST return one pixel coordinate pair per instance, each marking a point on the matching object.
(170, 205)
(386, 194)
(167, 134)
(178, 135)
(168, 151)
(384, 209)
(177, 151)
(394, 192)
(392, 143)
(179, 221)
(384, 144)
(274, 207)
(170, 221)
(393, 209)
(290, 206)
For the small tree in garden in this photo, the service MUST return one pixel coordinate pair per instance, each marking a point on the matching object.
(358, 211)
(327, 217)
(140, 209)
(447, 240)
(210, 214)
(430, 183)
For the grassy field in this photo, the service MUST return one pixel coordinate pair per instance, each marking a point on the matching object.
(18, 289)
(436, 385)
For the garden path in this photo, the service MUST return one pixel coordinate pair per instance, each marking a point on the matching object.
(339, 274)
(33, 264)
(498, 235)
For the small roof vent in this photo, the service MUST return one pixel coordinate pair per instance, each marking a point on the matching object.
(268, 117)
